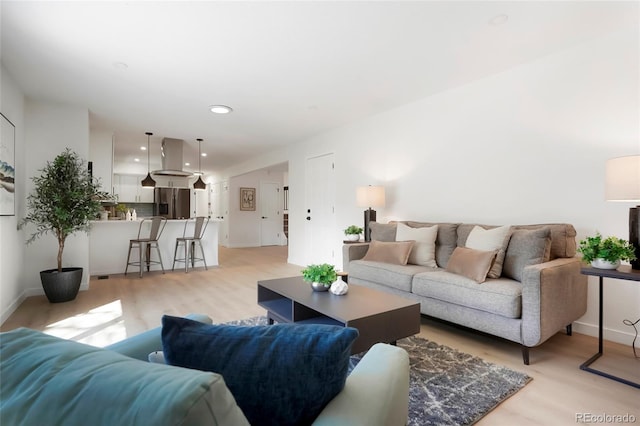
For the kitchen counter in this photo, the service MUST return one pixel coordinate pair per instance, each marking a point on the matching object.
(109, 245)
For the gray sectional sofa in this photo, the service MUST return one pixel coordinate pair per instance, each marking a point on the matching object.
(539, 290)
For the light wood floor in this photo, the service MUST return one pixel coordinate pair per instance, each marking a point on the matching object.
(123, 306)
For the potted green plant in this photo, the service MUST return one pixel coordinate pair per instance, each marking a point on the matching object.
(121, 209)
(320, 276)
(64, 201)
(605, 253)
(352, 233)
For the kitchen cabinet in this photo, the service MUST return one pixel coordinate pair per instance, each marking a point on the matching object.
(171, 181)
(130, 190)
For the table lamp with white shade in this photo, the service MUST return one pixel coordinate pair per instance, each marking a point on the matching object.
(623, 184)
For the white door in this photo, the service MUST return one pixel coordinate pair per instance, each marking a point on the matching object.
(223, 237)
(320, 211)
(270, 214)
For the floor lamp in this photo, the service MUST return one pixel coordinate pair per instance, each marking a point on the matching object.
(623, 184)
(369, 196)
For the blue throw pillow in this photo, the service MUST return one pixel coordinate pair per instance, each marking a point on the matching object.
(281, 374)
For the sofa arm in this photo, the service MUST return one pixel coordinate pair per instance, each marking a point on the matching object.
(554, 294)
(141, 345)
(351, 252)
(376, 391)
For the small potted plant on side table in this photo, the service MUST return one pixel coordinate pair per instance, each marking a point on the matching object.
(352, 233)
(320, 276)
(605, 253)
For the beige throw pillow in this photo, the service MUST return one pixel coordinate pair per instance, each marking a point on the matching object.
(389, 252)
(471, 263)
(424, 250)
(489, 240)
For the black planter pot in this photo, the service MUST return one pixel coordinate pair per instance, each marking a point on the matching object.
(61, 286)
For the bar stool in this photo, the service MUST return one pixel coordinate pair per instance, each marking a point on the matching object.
(200, 226)
(145, 244)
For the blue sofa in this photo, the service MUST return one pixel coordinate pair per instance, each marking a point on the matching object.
(47, 380)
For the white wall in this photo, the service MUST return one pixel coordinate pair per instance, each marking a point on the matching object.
(244, 226)
(527, 145)
(50, 128)
(12, 240)
(101, 154)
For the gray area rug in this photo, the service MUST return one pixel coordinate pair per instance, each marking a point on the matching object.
(447, 387)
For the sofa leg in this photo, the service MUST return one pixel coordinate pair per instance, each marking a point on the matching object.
(525, 354)
(569, 329)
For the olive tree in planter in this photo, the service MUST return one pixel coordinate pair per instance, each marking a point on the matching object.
(64, 201)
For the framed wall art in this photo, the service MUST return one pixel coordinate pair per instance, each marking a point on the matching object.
(247, 199)
(7, 167)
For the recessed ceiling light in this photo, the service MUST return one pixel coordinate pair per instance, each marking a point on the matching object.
(220, 109)
(137, 160)
(204, 154)
(187, 164)
(143, 148)
(499, 20)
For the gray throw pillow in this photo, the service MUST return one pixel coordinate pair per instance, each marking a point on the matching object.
(383, 231)
(526, 247)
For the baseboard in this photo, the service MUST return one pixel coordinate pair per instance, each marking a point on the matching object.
(30, 292)
(244, 245)
(12, 307)
(617, 336)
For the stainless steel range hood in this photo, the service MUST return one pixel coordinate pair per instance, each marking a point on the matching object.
(172, 160)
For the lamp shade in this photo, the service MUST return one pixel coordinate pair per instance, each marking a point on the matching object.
(370, 196)
(623, 179)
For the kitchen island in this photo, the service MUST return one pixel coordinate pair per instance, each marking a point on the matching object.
(109, 245)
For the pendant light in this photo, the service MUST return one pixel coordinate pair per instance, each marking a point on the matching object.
(199, 184)
(148, 182)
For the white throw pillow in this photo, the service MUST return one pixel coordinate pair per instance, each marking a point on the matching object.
(489, 240)
(424, 249)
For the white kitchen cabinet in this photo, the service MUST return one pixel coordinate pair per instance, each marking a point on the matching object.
(171, 181)
(130, 190)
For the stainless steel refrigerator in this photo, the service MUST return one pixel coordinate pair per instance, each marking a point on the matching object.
(172, 203)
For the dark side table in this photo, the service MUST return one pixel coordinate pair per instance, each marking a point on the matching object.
(622, 273)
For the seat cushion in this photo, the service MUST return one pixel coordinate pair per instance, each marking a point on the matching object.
(500, 296)
(48, 380)
(396, 276)
(282, 374)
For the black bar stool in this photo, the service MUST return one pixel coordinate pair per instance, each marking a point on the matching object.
(200, 226)
(145, 244)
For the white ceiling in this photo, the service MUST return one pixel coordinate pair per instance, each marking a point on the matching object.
(289, 69)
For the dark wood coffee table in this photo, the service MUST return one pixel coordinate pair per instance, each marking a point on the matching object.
(378, 316)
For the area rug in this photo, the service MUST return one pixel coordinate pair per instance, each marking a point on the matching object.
(447, 387)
